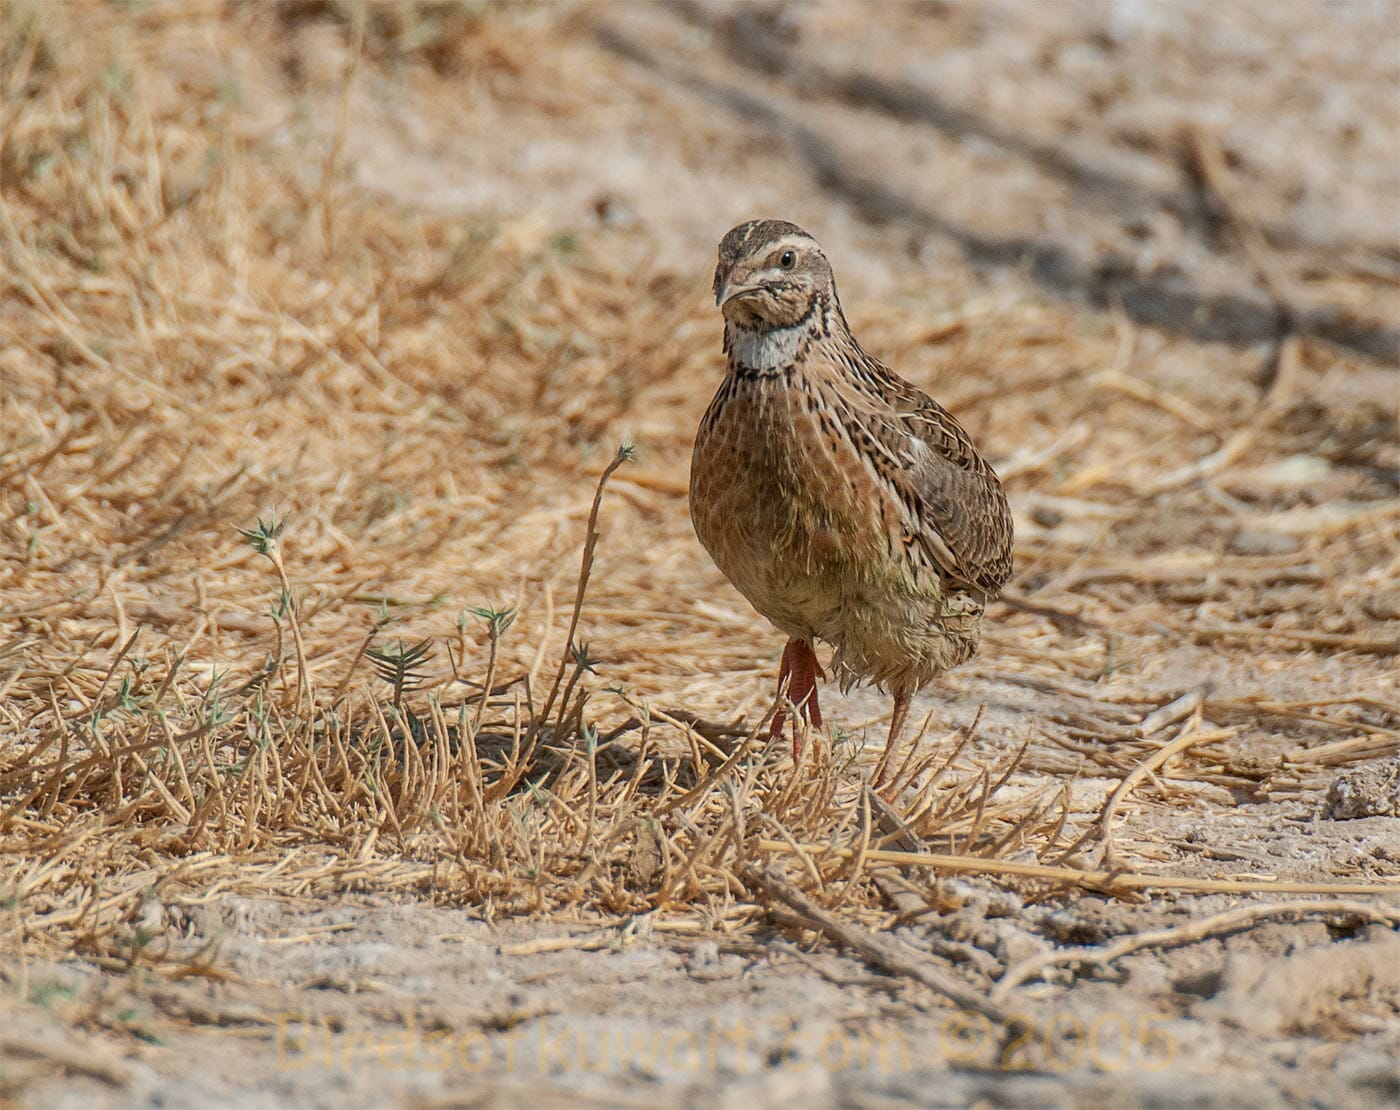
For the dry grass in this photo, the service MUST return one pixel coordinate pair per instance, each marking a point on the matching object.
(396, 677)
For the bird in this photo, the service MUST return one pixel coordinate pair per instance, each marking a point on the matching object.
(844, 503)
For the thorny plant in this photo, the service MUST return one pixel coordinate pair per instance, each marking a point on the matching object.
(400, 666)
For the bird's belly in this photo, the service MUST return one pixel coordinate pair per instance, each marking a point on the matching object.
(779, 506)
(902, 638)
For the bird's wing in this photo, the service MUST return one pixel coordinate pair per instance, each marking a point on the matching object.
(954, 506)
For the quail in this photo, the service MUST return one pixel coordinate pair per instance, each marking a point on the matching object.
(844, 503)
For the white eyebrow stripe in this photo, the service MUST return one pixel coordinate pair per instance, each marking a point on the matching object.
(790, 241)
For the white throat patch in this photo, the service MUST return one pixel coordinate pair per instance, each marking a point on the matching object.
(771, 349)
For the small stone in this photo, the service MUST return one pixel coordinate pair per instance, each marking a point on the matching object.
(705, 954)
(1258, 541)
(1384, 604)
(1367, 791)
(1201, 981)
(613, 211)
(1298, 470)
(1003, 903)
(1373, 1072)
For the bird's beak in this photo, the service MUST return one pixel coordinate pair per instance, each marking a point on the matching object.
(736, 285)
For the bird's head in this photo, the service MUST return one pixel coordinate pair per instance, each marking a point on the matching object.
(771, 274)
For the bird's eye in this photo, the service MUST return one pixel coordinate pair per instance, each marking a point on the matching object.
(788, 260)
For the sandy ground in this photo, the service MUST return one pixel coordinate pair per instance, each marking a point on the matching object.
(977, 161)
(366, 1002)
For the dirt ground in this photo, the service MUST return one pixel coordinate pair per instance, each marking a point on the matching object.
(409, 275)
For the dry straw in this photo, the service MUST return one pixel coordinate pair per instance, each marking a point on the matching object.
(401, 677)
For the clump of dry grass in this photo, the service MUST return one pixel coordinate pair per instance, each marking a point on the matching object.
(510, 798)
(401, 676)
(187, 708)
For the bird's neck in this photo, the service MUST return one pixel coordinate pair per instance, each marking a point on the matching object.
(766, 348)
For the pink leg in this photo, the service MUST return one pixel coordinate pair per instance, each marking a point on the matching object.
(902, 699)
(800, 672)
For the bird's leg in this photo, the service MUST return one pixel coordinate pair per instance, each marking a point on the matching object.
(775, 729)
(802, 687)
(897, 719)
(800, 671)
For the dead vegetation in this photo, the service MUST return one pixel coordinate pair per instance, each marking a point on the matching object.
(323, 569)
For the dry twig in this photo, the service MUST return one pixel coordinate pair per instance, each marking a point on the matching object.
(1231, 921)
(876, 950)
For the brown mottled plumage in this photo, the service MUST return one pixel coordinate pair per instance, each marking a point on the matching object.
(843, 502)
